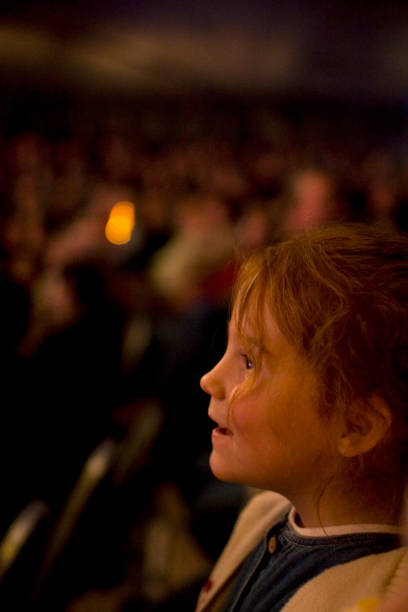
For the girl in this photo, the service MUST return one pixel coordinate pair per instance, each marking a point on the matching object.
(310, 403)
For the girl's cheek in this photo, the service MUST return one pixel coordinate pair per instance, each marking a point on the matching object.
(241, 415)
(237, 386)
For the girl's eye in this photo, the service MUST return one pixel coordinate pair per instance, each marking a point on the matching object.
(249, 364)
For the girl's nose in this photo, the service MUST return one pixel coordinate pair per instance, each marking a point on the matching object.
(212, 384)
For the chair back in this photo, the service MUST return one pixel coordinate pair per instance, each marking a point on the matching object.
(94, 471)
(21, 550)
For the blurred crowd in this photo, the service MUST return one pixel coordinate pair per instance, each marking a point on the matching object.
(90, 329)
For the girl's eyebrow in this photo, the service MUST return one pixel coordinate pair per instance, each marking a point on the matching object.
(250, 339)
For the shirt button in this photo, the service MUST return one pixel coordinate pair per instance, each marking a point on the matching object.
(272, 544)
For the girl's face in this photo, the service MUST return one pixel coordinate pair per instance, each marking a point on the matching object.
(268, 431)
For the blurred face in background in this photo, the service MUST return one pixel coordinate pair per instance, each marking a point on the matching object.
(312, 201)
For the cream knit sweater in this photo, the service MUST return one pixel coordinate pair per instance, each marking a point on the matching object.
(334, 590)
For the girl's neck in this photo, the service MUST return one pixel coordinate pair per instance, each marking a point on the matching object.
(338, 510)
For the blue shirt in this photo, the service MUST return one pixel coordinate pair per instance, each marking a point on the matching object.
(284, 560)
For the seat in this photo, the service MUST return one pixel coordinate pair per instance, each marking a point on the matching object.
(64, 546)
(87, 544)
(21, 550)
(134, 449)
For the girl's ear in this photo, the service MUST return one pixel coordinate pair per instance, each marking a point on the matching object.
(365, 426)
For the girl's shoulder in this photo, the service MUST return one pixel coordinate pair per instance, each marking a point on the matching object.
(264, 504)
(366, 580)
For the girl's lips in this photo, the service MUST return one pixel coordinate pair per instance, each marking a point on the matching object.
(221, 431)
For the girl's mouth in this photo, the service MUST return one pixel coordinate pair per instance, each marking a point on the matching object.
(222, 431)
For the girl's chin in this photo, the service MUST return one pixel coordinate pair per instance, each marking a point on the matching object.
(221, 469)
(224, 471)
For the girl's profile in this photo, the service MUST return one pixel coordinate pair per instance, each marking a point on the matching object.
(309, 404)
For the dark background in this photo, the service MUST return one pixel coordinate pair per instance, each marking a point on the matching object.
(349, 51)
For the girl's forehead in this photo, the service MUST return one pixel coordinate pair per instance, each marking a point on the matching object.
(244, 332)
(257, 326)
(247, 319)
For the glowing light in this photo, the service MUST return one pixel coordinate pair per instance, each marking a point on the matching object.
(119, 227)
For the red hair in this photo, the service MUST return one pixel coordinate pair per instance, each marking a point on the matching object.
(340, 296)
